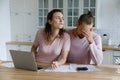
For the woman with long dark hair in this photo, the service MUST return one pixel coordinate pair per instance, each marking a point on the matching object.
(52, 43)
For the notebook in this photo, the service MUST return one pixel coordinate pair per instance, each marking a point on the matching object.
(25, 60)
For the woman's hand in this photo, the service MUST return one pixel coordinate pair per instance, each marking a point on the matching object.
(61, 61)
(88, 34)
(54, 64)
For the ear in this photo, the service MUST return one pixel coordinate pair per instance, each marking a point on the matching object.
(49, 21)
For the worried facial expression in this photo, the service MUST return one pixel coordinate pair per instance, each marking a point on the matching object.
(57, 21)
(84, 29)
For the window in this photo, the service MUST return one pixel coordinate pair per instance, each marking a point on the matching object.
(72, 12)
(58, 4)
(42, 10)
(90, 5)
(72, 9)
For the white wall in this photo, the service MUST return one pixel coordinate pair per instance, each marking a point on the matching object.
(110, 10)
(4, 27)
(17, 17)
(23, 19)
(109, 18)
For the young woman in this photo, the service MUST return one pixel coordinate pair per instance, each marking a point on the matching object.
(86, 46)
(52, 43)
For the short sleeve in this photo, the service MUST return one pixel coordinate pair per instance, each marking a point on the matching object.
(66, 45)
(36, 41)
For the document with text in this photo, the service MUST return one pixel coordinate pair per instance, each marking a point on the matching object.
(73, 68)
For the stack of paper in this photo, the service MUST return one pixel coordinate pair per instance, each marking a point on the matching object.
(63, 68)
(72, 68)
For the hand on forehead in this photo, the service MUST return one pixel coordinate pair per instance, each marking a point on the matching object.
(85, 27)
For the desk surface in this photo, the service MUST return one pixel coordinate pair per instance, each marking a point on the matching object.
(110, 47)
(108, 72)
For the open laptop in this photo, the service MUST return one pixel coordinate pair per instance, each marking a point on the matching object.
(25, 60)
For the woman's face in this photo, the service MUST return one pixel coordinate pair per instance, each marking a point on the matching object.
(83, 27)
(57, 21)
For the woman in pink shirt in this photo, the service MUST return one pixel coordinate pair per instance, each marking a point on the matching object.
(52, 43)
(86, 46)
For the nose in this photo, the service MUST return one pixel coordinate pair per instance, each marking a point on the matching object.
(61, 19)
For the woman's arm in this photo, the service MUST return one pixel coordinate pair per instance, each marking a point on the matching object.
(96, 50)
(36, 43)
(64, 52)
(62, 60)
(34, 49)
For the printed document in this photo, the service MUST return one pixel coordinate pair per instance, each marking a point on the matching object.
(72, 68)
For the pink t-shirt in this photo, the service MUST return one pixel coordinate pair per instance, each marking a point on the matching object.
(82, 52)
(50, 52)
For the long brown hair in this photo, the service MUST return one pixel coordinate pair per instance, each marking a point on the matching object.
(48, 30)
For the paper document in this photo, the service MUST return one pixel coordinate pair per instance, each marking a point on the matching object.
(9, 65)
(72, 68)
(62, 68)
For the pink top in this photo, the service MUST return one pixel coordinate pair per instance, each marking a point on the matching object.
(50, 52)
(82, 52)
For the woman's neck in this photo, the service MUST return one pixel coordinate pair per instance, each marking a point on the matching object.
(55, 33)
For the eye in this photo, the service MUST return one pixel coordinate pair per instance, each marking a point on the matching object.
(57, 18)
(60, 18)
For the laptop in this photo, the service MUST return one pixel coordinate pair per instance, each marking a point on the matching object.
(25, 60)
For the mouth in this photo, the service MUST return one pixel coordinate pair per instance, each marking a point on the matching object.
(60, 23)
